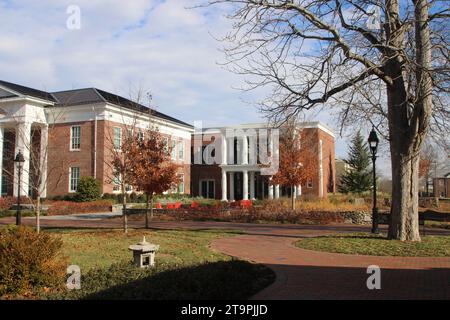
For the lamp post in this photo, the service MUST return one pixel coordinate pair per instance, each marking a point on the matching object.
(373, 144)
(19, 160)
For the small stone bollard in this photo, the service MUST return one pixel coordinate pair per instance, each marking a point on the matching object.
(144, 253)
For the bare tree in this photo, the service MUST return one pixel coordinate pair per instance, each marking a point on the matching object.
(37, 142)
(120, 156)
(383, 61)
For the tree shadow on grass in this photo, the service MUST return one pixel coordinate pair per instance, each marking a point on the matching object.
(233, 279)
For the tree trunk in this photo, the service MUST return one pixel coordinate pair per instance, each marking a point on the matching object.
(151, 209)
(404, 223)
(292, 198)
(38, 214)
(147, 207)
(407, 126)
(124, 210)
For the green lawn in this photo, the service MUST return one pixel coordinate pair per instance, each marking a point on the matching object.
(186, 268)
(367, 244)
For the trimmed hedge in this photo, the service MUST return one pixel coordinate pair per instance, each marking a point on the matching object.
(68, 207)
(29, 262)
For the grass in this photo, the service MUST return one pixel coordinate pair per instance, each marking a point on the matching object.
(186, 268)
(367, 244)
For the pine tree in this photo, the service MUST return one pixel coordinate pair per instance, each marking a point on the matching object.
(359, 177)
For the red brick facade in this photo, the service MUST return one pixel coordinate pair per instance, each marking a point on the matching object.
(61, 158)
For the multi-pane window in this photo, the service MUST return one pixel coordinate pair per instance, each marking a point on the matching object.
(74, 178)
(174, 149)
(117, 138)
(75, 138)
(181, 184)
(309, 183)
(140, 136)
(166, 145)
(207, 189)
(181, 150)
(116, 183)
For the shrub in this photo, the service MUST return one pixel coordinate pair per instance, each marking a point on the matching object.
(6, 203)
(67, 207)
(29, 262)
(88, 189)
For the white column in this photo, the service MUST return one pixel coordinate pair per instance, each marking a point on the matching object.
(43, 160)
(299, 190)
(245, 184)
(320, 169)
(277, 191)
(224, 185)
(270, 188)
(294, 192)
(252, 185)
(244, 150)
(231, 186)
(224, 149)
(2, 134)
(23, 143)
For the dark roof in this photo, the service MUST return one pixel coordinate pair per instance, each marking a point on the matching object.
(28, 91)
(88, 96)
(94, 95)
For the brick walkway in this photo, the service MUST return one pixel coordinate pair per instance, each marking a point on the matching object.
(304, 274)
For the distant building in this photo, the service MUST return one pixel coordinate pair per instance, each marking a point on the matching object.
(341, 168)
(441, 186)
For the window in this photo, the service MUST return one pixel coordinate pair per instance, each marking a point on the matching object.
(140, 136)
(181, 184)
(75, 138)
(74, 179)
(181, 150)
(117, 138)
(207, 189)
(116, 183)
(309, 183)
(166, 144)
(174, 149)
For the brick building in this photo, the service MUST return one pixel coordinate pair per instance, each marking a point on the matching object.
(233, 176)
(71, 134)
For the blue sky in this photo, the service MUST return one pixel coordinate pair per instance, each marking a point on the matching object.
(159, 46)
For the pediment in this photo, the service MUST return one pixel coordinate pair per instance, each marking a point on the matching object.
(7, 93)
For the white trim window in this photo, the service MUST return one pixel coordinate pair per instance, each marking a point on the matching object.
(116, 183)
(309, 183)
(74, 179)
(181, 184)
(181, 150)
(140, 136)
(75, 138)
(117, 138)
(166, 145)
(174, 149)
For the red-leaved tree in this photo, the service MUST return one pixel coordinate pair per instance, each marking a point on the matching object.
(154, 171)
(298, 160)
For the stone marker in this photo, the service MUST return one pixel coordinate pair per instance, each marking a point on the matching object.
(144, 253)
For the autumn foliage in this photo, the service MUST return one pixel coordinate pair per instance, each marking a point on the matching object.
(153, 171)
(298, 160)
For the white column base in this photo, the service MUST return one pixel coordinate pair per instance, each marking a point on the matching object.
(245, 185)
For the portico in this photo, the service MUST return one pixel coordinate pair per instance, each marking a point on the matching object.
(241, 171)
(23, 126)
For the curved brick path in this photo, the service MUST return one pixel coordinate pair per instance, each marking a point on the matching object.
(305, 274)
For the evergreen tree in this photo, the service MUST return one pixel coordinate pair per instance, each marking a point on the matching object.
(359, 176)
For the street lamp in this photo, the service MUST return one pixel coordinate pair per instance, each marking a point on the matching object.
(373, 144)
(19, 160)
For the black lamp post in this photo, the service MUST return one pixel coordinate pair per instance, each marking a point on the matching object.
(373, 144)
(19, 160)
